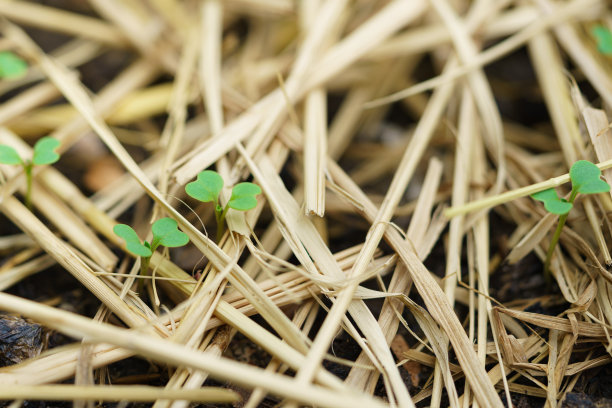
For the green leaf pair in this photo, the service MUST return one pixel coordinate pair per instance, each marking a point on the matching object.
(165, 232)
(207, 188)
(11, 66)
(209, 184)
(586, 179)
(44, 153)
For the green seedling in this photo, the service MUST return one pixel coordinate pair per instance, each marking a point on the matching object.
(207, 188)
(11, 66)
(603, 36)
(165, 232)
(586, 179)
(44, 153)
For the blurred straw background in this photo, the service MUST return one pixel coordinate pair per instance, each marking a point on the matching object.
(394, 257)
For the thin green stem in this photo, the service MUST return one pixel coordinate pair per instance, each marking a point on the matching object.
(220, 217)
(555, 239)
(144, 271)
(27, 167)
(144, 265)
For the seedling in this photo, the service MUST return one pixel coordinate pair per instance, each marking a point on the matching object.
(586, 179)
(11, 66)
(44, 153)
(207, 188)
(603, 36)
(165, 232)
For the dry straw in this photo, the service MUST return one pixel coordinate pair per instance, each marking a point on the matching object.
(295, 96)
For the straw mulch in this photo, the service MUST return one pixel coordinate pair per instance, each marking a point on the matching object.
(392, 259)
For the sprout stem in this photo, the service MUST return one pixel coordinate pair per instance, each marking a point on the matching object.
(220, 217)
(27, 167)
(144, 270)
(555, 239)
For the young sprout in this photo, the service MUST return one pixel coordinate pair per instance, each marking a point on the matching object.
(44, 153)
(207, 188)
(603, 36)
(585, 177)
(165, 232)
(11, 66)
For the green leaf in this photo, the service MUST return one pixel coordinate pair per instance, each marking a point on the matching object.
(243, 196)
(552, 202)
(166, 233)
(603, 36)
(11, 66)
(586, 179)
(132, 241)
(207, 186)
(44, 151)
(8, 155)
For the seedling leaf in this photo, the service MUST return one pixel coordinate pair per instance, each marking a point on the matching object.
(243, 196)
(207, 186)
(8, 155)
(603, 36)
(166, 233)
(586, 179)
(132, 241)
(44, 151)
(11, 66)
(552, 202)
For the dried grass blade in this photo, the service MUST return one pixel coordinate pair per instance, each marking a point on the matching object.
(132, 393)
(57, 212)
(315, 151)
(481, 90)
(54, 19)
(584, 329)
(598, 127)
(174, 129)
(170, 353)
(578, 9)
(517, 193)
(307, 242)
(551, 77)
(27, 100)
(211, 26)
(423, 39)
(74, 92)
(137, 24)
(32, 226)
(439, 343)
(273, 345)
(436, 302)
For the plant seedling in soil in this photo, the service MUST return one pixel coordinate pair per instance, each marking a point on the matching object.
(586, 179)
(603, 36)
(165, 232)
(207, 188)
(11, 66)
(44, 153)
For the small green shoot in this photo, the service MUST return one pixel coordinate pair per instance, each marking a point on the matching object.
(44, 153)
(586, 179)
(207, 188)
(11, 66)
(165, 232)
(603, 36)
